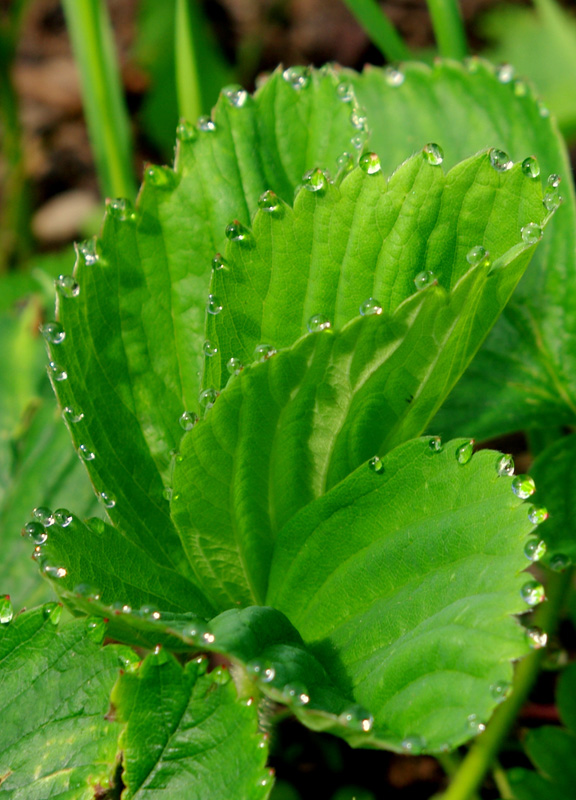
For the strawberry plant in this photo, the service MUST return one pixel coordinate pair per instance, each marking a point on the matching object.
(255, 363)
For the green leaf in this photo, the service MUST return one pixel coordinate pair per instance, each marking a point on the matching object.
(286, 430)
(525, 375)
(188, 734)
(552, 471)
(134, 332)
(541, 44)
(402, 581)
(95, 557)
(552, 750)
(55, 689)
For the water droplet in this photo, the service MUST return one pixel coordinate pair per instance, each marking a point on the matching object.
(53, 332)
(314, 180)
(36, 532)
(234, 366)
(44, 516)
(220, 675)
(121, 209)
(236, 95)
(356, 718)
(219, 262)
(475, 725)
(523, 486)
(52, 612)
(554, 181)
(370, 307)
(88, 591)
(54, 572)
(297, 77)
(345, 163)
(108, 499)
(67, 286)
(208, 637)
(534, 549)
(187, 420)
(185, 132)
(167, 493)
(62, 517)
(472, 64)
(376, 465)
(505, 465)
(85, 453)
(237, 232)
(270, 202)
(128, 660)
(501, 690)
(560, 562)
(531, 167)
(263, 352)
(209, 349)
(345, 92)
(160, 177)
(424, 279)
(72, 416)
(56, 371)
(476, 255)
(433, 153)
(537, 639)
(120, 608)
(213, 306)
(207, 399)
(318, 322)
(464, 452)
(261, 670)
(505, 73)
(393, 77)
(160, 656)
(520, 88)
(296, 694)
(6, 610)
(543, 110)
(359, 120)
(357, 142)
(531, 233)
(552, 199)
(537, 515)
(532, 593)
(435, 444)
(412, 745)
(96, 629)
(500, 160)
(370, 163)
(206, 125)
(88, 252)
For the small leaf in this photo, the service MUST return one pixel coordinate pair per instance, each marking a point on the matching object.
(55, 688)
(187, 734)
(403, 583)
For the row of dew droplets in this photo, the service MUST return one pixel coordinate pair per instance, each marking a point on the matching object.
(36, 531)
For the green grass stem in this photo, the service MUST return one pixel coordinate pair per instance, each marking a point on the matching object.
(379, 29)
(187, 81)
(448, 28)
(104, 107)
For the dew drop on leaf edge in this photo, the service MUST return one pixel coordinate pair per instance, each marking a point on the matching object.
(187, 420)
(505, 465)
(433, 154)
(53, 332)
(464, 452)
(393, 77)
(318, 322)
(500, 160)
(531, 233)
(535, 549)
(531, 167)
(532, 592)
(376, 465)
(370, 163)
(424, 279)
(67, 286)
(476, 255)
(523, 486)
(560, 562)
(370, 307)
(297, 77)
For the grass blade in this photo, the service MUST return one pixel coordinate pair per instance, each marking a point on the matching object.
(379, 29)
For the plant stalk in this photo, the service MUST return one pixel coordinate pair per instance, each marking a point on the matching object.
(379, 29)
(482, 754)
(104, 107)
(448, 28)
(187, 81)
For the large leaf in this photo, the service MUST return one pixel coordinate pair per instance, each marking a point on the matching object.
(552, 750)
(55, 738)
(134, 318)
(402, 581)
(187, 734)
(525, 375)
(288, 429)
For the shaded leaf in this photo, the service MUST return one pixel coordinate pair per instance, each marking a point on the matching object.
(188, 734)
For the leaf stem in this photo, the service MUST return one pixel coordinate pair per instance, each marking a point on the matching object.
(187, 82)
(448, 28)
(106, 115)
(379, 29)
(481, 755)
